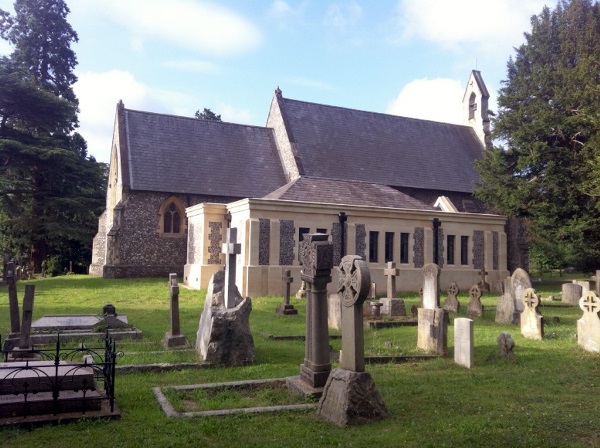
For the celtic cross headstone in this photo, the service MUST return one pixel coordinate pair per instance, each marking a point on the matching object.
(451, 304)
(588, 327)
(532, 325)
(474, 308)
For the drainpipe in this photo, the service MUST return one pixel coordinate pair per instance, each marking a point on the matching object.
(436, 242)
(343, 218)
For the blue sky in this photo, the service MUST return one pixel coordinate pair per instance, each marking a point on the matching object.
(405, 57)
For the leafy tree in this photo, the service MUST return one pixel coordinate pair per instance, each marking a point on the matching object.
(207, 114)
(51, 192)
(549, 132)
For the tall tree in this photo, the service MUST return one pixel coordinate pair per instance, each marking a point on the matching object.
(51, 191)
(548, 128)
(207, 114)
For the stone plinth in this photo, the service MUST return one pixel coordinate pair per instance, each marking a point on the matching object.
(350, 398)
(571, 293)
(432, 334)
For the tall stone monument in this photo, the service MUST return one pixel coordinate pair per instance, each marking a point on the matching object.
(432, 320)
(316, 256)
(350, 396)
(174, 337)
(588, 327)
(532, 323)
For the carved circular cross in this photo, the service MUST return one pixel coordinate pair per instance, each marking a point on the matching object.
(590, 302)
(475, 292)
(453, 289)
(530, 299)
(355, 280)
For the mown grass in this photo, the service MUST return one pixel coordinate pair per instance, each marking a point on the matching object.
(547, 397)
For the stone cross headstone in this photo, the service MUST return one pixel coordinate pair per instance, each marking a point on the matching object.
(451, 304)
(483, 284)
(174, 338)
(431, 291)
(474, 308)
(463, 342)
(286, 308)
(13, 301)
(231, 248)
(588, 327)
(391, 272)
(532, 325)
(25, 339)
(316, 255)
(354, 282)
(350, 396)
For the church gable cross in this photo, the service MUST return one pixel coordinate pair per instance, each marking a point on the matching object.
(231, 248)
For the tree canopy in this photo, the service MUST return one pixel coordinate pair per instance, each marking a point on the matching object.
(548, 134)
(207, 114)
(51, 192)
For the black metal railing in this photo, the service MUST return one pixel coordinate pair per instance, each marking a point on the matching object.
(55, 374)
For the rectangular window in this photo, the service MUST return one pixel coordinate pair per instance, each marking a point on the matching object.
(321, 230)
(404, 248)
(389, 246)
(464, 250)
(450, 249)
(301, 232)
(373, 241)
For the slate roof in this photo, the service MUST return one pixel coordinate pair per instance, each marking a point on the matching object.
(346, 192)
(340, 143)
(187, 155)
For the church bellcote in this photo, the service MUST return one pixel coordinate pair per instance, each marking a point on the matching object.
(475, 107)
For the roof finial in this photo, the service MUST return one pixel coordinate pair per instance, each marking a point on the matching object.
(278, 91)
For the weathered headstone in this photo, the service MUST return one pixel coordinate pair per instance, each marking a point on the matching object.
(432, 320)
(316, 255)
(392, 306)
(505, 307)
(505, 346)
(451, 304)
(174, 337)
(13, 301)
(224, 336)
(301, 293)
(286, 308)
(373, 291)
(25, 339)
(571, 293)
(463, 342)
(520, 281)
(231, 248)
(350, 396)
(588, 327)
(532, 323)
(585, 286)
(474, 308)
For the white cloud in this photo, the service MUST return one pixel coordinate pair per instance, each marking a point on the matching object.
(488, 26)
(286, 15)
(200, 26)
(233, 114)
(194, 66)
(310, 83)
(99, 94)
(430, 99)
(343, 15)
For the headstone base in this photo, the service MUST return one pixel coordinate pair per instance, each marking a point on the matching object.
(393, 307)
(350, 398)
(432, 334)
(173, 341)
(296, 385)
(286, 310)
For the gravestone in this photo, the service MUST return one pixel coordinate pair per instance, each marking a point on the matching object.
(505, 307)
(451, 304)
(301, 293)
(585, 286)
(286, 308)
(588, 327)
(224, 337)
(520, 281)
(506, 346)
(392, 306)
(334, 311)
(350, 396)
(483, 284)
(571, 293)
(174, 337)
(231, 248)
(532, 323)
(463, 342)
(432, 320)
(13, 301)
(43, 275)
(376, 309)
(474, 308)
(373, 291)
(316, 256)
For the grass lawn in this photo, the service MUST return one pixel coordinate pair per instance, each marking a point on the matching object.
(548, 397)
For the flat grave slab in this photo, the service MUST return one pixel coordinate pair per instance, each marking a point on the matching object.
(40, 375)
(72, 322)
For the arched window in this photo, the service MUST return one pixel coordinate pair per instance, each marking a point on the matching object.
(472, 106)
(172, 218)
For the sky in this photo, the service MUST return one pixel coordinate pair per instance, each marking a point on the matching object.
(404, 57)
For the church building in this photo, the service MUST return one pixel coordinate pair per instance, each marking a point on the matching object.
(385, 187)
